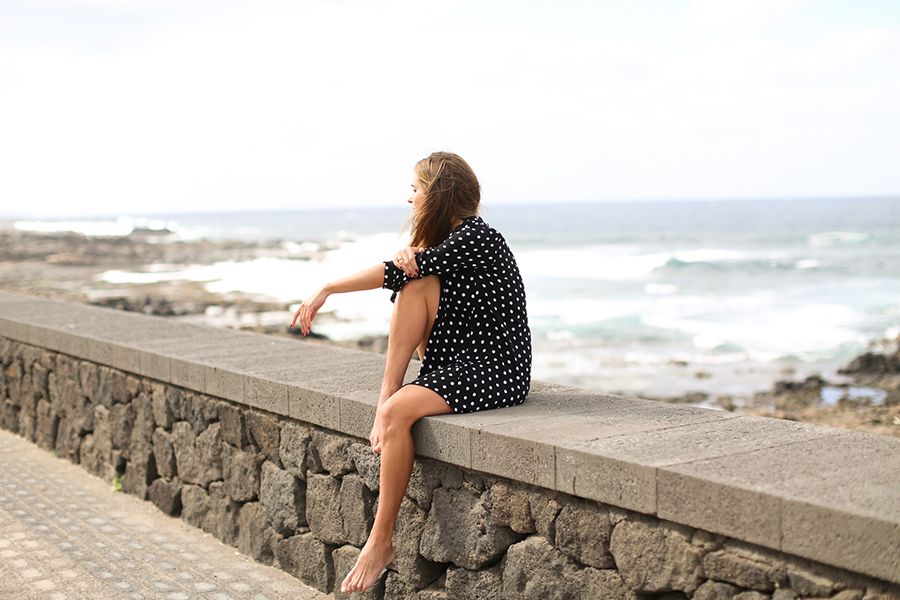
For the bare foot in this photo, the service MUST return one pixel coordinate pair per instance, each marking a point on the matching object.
(368, 568)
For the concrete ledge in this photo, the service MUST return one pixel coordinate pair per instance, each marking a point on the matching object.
(826, 494)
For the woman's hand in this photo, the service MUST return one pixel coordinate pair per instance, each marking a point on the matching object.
(406, 260)
(307, 311)
(375, 436)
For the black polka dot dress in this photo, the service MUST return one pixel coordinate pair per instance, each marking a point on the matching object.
(478, 355)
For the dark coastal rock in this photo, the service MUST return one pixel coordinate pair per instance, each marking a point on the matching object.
(715, 590)
(295, 439)
(806, 582)
(162, 410)
(47, 426)
(121, 418)
(166, 495)
(656, 557)
(745, 572)
(9, 414)
(411, 566)
(308, 559)
(96, 448)
(176, 398)
(428, 475)
(198, 457)
(323, 508)
(357, 508)
(459, 530)
(201, 410)
(396, 588)
(195, 505)
(255, 534)
(327, 453)
(534, 569)
(265, 431)
(221, 520)
(366, 463)
(241, 471)
(283, 496)
(608, 583)
(140, 471)
(485, 584)
(885, 362)
(152, 305)
(164, 453)
(812, 384)
(582, 531)
(234, 425)
(511, 507)
(68, 438)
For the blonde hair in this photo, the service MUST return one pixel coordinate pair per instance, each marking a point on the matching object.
(451, 191)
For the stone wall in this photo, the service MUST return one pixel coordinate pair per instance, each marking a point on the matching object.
(301, 497)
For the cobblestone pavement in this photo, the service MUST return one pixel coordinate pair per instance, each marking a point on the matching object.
(65, 534)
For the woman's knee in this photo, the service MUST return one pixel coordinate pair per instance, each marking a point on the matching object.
(393, 416)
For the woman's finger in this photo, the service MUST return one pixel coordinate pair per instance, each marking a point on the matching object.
(410, 259)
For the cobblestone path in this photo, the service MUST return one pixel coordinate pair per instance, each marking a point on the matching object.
(65, 534)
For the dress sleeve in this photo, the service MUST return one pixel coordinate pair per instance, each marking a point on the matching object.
(469, 248)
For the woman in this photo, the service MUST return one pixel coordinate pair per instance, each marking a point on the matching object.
(459, 301)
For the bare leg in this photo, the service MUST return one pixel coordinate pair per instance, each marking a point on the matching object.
(415, 309)
(398, 414)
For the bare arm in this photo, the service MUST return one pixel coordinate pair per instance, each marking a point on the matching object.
(367, 279)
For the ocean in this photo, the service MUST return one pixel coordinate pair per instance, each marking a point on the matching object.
(653, 298)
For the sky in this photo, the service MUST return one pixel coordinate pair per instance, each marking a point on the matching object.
(111, 107)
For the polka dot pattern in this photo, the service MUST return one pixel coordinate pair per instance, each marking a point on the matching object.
(478, 355)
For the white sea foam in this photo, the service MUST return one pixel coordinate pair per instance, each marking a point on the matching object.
(621, 263)
(589, 262)
(806, 263)
(710, 255)
(578, 311)
(660, 289)
(768, 333)
(300, 248)
(831, 238)
(285, 280)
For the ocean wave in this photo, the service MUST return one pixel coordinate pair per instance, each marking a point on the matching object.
(832, 238)
(589, 262)
(623, 263)
(660, 289)
(809, 332)
(283, 279)
(711, 255)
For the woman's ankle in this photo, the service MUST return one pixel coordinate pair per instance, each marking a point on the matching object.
(379, 543)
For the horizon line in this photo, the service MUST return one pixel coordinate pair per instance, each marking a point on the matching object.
(109, 215)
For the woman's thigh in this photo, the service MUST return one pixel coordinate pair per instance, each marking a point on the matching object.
(412, 402)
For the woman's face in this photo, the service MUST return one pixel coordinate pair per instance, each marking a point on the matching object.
(417, 199)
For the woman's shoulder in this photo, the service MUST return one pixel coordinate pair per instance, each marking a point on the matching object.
(476, 226)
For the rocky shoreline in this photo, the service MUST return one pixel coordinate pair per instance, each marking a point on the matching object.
(66, 266)
(865, 397)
